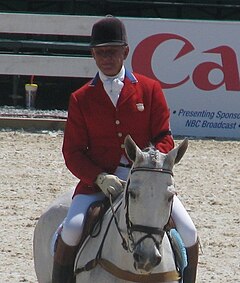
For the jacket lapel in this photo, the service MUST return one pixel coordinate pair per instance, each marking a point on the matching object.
(128, 89)
(99, 93)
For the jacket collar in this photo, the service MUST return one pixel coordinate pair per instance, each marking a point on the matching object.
(128, 75)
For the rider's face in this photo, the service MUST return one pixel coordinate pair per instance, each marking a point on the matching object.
(109, 59)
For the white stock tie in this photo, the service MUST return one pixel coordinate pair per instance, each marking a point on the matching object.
(113, 88)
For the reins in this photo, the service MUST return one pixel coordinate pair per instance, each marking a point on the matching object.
(124, 242)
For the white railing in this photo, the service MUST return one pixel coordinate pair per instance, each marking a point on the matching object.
(45, 65)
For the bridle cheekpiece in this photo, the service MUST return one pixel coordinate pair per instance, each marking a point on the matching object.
(147, 230)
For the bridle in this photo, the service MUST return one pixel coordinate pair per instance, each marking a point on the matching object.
(149, 231)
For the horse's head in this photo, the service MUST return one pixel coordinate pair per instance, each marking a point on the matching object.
(149, 197)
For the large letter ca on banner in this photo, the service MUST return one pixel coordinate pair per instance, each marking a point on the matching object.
(142, 58)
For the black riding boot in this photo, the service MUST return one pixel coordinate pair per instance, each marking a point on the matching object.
(190, 272)
(63, 263)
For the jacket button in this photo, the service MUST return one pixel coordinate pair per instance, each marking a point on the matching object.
(117, 122)
(120, 135)
(122, 145)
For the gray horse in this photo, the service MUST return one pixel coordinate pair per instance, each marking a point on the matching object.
(132, 244)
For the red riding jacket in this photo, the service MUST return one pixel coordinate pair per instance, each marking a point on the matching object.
(95, 129)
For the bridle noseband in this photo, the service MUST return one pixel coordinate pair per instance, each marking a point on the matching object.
(147, 230)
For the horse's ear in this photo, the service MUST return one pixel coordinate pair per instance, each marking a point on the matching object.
(132, 150)
(181, 150)
(177, 153)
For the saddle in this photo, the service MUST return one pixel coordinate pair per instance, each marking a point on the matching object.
(94, 216)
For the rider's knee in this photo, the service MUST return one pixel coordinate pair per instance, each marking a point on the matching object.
(72, 231)
(190, 236)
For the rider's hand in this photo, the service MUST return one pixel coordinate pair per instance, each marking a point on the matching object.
(110, 184)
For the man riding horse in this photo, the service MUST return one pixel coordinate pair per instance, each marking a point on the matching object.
(101, 114)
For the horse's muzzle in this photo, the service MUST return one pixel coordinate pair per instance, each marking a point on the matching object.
(144, 260)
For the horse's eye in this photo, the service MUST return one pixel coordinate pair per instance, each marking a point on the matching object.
(170, 198)
(132, 195)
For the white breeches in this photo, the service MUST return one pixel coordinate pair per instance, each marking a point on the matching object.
(184, 223)
(73, 224)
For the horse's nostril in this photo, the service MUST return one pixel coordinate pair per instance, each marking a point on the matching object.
(158, 260)
(137, 257)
